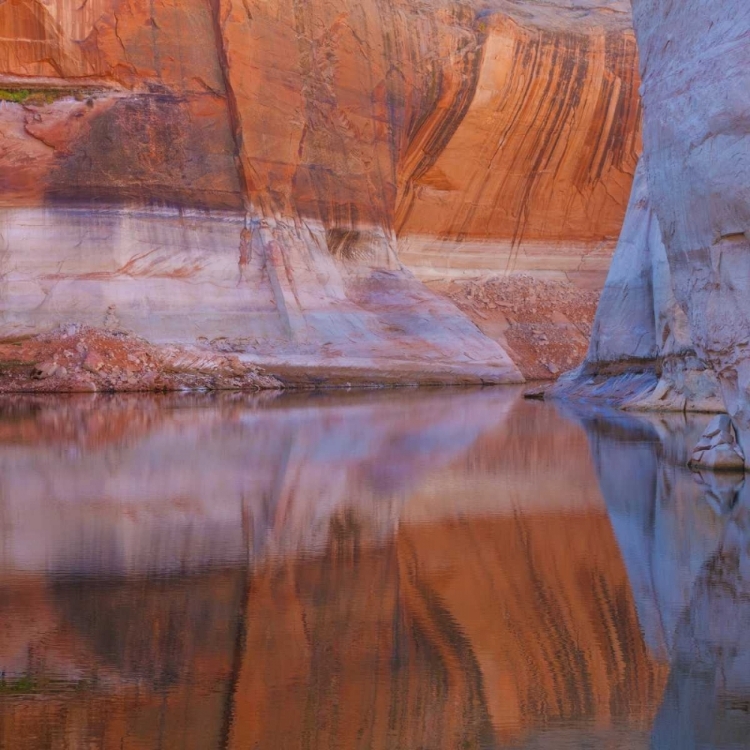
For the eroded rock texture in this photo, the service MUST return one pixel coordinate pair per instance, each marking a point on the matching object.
(685, 246)
(252, 176)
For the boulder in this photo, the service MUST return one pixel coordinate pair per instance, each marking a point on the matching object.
(718, 449)
(45, 370)
(93, 362)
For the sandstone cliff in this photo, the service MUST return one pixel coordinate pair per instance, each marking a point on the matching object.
(258, 177)
(676, 308)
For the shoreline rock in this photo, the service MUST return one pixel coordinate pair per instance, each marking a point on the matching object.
(83, 359)
(718, 449)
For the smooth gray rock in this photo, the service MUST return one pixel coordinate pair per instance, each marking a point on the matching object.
(718, 449)
(686, 241)
(641, 355)
(695, 63)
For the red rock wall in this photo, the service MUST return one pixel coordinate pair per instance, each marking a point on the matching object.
(348, 137)
(452, 122)
(536, 174)
(148, 120)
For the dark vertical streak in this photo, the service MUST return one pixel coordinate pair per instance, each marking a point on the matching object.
(234, 114)
(240, 638)
(448, 123)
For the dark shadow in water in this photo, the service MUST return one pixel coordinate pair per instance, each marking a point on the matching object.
(149, 629)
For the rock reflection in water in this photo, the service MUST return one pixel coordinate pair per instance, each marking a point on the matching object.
(707, 700)
(394, 570)
(686, 542)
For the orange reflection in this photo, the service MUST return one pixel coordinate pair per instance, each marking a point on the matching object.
(452, 635)
(411, 571)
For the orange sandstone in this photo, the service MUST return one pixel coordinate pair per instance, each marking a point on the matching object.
(269, 175)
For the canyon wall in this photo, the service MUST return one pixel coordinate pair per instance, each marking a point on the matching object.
(674, 325)
(260, 177)
(641, 354)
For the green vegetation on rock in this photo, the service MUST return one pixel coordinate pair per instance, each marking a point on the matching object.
(28, 685)
(34, 97)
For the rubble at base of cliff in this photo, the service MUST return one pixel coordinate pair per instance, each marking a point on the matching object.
(75, 358)
(544, 325)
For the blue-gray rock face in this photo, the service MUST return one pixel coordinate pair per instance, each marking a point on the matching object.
(696, 90)
(641, 355)
(684, 541)
(684, 253)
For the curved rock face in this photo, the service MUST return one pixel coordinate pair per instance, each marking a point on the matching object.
(641, 353)
(698, 162)
(254, 175)
(687, 227)
(536, 175)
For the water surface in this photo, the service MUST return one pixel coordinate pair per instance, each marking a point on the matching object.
(396, 570)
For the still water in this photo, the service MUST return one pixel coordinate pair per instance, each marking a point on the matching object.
(403, 570)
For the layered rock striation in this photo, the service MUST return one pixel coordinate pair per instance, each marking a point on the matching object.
(259, 177)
